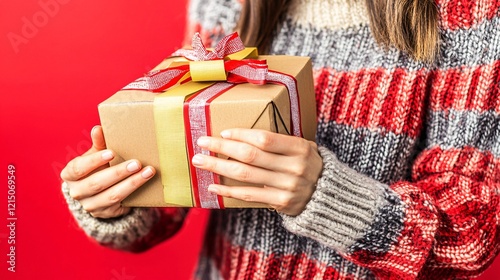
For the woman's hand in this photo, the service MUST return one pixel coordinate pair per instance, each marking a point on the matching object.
(287, 166)
(98, 187)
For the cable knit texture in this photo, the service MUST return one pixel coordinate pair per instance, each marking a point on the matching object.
(133, 232)
(341, 210)
(411, 154)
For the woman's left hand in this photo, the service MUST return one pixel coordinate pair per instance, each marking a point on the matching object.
(287, 167)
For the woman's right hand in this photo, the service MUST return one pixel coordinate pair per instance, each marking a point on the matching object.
(98, 187)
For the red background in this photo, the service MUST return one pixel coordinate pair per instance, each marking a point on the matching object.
(73, 57)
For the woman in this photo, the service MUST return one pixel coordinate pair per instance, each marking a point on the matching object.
(403, 179)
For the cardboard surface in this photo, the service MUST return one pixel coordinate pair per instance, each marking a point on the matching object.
(128, 121)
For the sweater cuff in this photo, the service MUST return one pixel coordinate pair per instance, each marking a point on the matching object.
(118, 233)
(343, 207)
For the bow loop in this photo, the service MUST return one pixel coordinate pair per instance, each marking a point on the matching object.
(226, 62)
(200, 51)
(228, 45)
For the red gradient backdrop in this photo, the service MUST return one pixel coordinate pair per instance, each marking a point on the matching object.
(58, 60)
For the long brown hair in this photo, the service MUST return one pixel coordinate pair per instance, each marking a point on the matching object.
(409, 25)
(259, 19)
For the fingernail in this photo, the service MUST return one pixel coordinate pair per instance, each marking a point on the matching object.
(213, 189)
(147, 173)
(93, 130)
(107, 155)
(133, 166)
(197, 160)
(203, 141)
(225, 134)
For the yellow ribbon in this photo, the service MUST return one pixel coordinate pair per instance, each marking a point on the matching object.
(169, 124)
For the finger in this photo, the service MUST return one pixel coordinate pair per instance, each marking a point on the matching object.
(268, 141)
(82, 165)
(99, 181)
(266, 195)
(244, 152)
(238, 171)
(98, 142)
(117, 193)
(113, 211)
(284, 202)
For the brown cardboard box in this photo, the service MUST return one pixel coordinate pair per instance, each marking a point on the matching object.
(128, 121)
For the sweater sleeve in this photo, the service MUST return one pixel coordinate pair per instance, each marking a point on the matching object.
(139, 230)
(440, 224)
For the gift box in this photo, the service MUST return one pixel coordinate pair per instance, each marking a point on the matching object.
(135, 127)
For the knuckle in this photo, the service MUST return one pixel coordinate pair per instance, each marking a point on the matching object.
(284, 200)
(114, 198)
(118, 171)
(77, 168)
(215, 145)
(121, 211)
(94, 214)
(225, 192)
(76, 195)
(64, 174)
(242, 173)
(246, 197)
(304, 148)
(211, 164)
(291, 184)
(313, 145)
(136, 181)
(288, 182)
(98, 214)
(249, 154)
(94, 186)
(298, 169)
(264, 140)
(108, 213)
(94, 159)
(89, 208)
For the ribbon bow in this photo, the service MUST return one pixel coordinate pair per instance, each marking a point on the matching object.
(228, 45)
(225, 63)
(181, 114)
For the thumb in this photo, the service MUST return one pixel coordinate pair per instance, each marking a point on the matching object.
(98, 142)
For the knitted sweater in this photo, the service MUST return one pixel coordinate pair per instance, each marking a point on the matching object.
(411, 156)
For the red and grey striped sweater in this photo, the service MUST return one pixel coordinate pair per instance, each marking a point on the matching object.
(411, 156)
